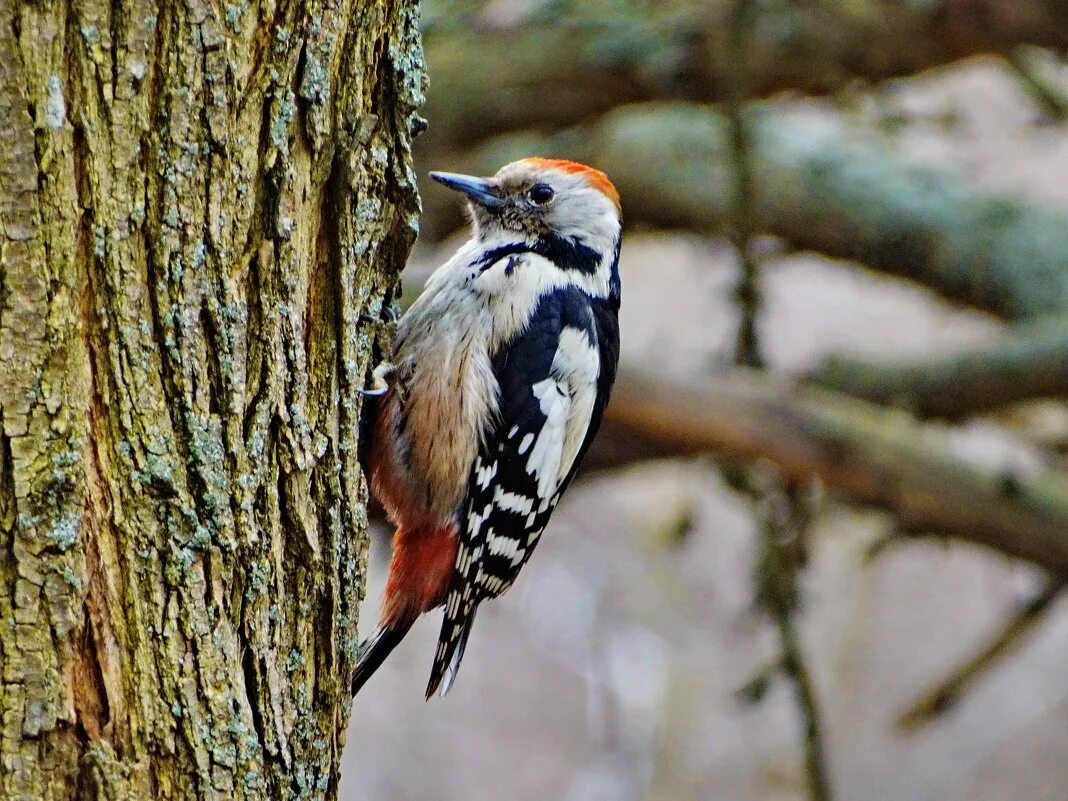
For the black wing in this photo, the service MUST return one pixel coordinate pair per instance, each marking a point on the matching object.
(554, 380)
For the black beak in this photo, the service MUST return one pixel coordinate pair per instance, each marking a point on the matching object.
(479, 190)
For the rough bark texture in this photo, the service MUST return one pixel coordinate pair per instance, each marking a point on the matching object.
(197, 204)
(561, 63)
(819, 187)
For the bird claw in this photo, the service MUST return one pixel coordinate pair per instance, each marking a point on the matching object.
(379, 381)
(389, 316)
(383, 328)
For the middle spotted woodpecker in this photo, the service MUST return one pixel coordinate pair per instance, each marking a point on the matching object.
(497, 381)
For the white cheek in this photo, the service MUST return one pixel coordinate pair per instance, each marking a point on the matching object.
(595, 223)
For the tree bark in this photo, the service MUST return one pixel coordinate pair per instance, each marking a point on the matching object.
(564, 63)
(202, 209)
(818, 187)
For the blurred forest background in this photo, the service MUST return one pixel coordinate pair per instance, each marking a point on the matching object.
(818, 550)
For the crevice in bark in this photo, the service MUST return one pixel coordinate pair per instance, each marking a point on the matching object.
(90, 694)
(252, 667)
(8, 503)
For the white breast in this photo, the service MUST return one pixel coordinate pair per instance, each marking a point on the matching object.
(442, 358)
(443, 365)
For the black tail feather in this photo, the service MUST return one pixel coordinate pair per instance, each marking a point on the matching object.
(451, 647)
(373, 652)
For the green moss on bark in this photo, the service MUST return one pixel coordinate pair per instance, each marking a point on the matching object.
(200, 208)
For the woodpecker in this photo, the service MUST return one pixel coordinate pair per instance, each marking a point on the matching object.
(496, 384)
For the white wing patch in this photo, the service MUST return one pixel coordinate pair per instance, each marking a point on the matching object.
(578, 364)
(544, 462)
(567, 398)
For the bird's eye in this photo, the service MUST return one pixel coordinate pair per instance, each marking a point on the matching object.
(540, 194)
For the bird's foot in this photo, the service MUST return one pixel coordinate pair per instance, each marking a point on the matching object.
(379, 381)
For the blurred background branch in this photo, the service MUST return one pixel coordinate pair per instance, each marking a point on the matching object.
(1027, 363)
(781, 522)
(1010, 637)
(783, 525)
(1031, 65)
(884, 459)
(565, 62)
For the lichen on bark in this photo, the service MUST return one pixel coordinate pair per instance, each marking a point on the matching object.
(203, 210)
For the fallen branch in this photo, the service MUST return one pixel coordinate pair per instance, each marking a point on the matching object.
(819, 188)
(566, 62)
(869, 455)
(1009, 638)
(1028, 363)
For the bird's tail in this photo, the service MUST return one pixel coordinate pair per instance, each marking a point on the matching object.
(374, 650)
(419, 572)
(451, 645)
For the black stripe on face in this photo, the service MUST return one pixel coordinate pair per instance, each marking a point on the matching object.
(567, 253)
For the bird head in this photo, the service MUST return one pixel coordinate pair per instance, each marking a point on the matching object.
(542, 199)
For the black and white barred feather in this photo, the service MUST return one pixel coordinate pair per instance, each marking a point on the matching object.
(554, 378)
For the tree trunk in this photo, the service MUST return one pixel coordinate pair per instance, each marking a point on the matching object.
(203, 209)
